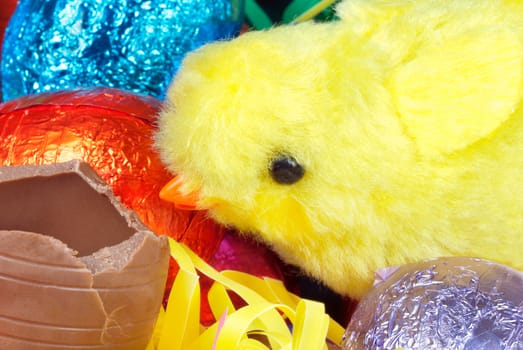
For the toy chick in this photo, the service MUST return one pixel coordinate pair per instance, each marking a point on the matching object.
(392, 135)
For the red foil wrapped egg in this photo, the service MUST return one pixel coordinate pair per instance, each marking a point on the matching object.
(112, 131)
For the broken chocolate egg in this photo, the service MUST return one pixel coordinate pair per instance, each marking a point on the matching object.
(78, 270)
(110, 129)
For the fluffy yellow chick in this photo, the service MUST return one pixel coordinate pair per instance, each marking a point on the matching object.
(392, 135)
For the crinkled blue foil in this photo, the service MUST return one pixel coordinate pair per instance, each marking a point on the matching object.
(452, 303)
(134, 45)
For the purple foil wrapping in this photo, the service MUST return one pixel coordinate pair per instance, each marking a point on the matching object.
(446, 303)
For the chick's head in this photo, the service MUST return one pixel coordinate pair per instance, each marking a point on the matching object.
(357, 144)
(260, 128)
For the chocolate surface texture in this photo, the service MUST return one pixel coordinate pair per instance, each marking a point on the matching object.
(78, 270)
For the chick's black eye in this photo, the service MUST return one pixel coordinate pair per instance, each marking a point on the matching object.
(286, 170)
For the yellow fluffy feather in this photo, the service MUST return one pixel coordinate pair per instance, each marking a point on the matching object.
(405, 115)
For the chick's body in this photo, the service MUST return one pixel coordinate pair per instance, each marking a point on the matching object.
(405, 115)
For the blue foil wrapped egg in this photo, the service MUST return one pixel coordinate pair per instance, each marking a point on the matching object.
(134, 45)
(447, 303)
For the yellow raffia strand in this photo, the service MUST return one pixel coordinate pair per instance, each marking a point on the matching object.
(155, 338)
(183, 306)
(272, 314)
(274, 290)
(313, 11)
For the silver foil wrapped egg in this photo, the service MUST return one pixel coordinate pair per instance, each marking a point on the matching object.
(446, 303)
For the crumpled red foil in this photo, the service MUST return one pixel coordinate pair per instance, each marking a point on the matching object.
(112, 131)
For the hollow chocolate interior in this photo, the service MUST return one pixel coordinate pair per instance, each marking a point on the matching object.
(63, 206)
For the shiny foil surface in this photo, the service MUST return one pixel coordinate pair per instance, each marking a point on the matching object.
(447, 303)
(6, 10)
(112, 131)
(135, 45)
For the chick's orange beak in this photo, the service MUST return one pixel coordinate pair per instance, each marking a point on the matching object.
(171, 192)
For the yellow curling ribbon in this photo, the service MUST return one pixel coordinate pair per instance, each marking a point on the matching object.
(314, 10)
(183, 306)
(273, 318)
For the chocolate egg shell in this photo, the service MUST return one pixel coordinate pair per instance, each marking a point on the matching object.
(111, 130)
(78, 270)
(446, 303)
